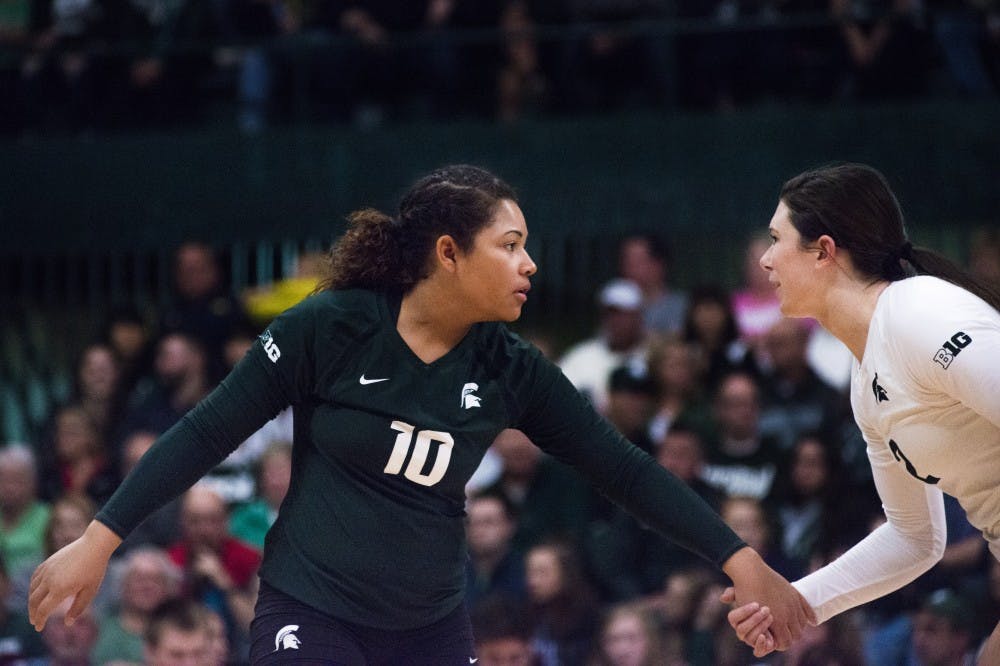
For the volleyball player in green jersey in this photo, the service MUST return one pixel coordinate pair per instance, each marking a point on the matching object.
(400, 379)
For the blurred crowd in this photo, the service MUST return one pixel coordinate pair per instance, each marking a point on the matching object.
(748, 408)
(99, 64)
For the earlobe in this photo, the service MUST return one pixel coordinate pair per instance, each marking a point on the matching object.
(446, 251)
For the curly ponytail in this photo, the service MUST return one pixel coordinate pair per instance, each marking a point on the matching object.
(382, 253)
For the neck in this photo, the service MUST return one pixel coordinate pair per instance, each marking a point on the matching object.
(430, 323)
(849, 311)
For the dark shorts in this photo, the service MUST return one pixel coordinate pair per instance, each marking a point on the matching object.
(287, 631)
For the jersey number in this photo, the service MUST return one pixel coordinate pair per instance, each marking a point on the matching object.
(898, 453)
(420, 443)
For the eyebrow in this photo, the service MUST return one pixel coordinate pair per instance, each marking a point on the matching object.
(514, 231)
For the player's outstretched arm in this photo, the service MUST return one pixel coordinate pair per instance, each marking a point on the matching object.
(765, 593)
(74, 571)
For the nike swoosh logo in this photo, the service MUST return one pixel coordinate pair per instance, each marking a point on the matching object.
(472, 661)
(365, 381)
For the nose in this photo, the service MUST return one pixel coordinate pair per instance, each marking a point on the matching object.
(764, 261)
(529, 268)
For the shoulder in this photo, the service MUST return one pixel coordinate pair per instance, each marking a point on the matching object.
(330, 313)
(925, 311)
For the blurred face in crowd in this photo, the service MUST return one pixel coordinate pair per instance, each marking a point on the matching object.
(135, 447)
(680, 453)
(936, 642)
(76, 435)
(70, 644)
(204, 519)
(17, 483)
(746, 518)
(178, 647)
(623, 327)
(98, 372)
(489, 527)
(544, 574)
(504, 652)
(196, 273)
(809, 472)
(128, 338)
(69, 520)
(624, 640)
(675, 371)
(520, 456)
(147, 582)
(785, 343)
(709, 318)
(737, 407)
(638, 264)
(629, 410)
(177, 359)
(679, 598)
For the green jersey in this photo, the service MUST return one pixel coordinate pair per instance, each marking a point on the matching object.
(372, 529)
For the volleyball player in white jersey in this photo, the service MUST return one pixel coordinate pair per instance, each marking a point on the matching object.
(925, 385)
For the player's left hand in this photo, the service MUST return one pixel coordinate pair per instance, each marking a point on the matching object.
(751, 623)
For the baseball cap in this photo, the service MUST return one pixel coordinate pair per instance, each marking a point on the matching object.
(951, 606)
(620, 293)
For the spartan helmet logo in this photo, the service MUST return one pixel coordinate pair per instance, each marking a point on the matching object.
(469, 400)
(286, 638)
(880, 394)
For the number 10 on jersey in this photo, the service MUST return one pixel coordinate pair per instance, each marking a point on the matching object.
(419, 442)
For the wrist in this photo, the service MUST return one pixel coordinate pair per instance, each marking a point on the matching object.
(744, 562)
(101, 538)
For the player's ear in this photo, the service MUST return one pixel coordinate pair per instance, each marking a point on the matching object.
(446, 252)
(827, 247)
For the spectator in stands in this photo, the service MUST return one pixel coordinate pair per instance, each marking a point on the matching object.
(203, 307)
(266, 302)
(220, 571)
(626, 558)
(740, 459)
(147, 579)
(563, 607)
(755, 307)
(18, 639)
(644, 258)
(503, 633)
(833, 643)
(98, 389)
(128, 334)
(549, 498)
(523, 88)
(673, 365)
(620, 341)
(250, 522)
(181, 380)
(810, 505)
(23, 515)
(631, 395)
(162, 527)
(494, 566)
(629, 636)
(710, 328)
(942, 630)
(794, 399)
(748, 517)
(677, 607)
(959, 28)
(69, 644)
(82, 464)
(178, 634)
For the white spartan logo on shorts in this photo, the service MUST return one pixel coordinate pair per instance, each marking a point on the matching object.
(286, 638)
(468, 400)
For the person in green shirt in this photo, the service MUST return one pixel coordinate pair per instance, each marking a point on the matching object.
(401, 374)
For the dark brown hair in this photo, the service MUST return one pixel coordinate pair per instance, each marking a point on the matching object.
(391, 253)
(854, 205)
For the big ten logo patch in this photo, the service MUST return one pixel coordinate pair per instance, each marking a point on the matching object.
(952, 348)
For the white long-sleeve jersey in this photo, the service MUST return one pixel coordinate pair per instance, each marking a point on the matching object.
(926, 396)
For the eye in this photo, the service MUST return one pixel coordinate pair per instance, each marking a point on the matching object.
(774, 239)
(511, 247)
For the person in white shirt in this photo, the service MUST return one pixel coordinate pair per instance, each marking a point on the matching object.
(925, 336)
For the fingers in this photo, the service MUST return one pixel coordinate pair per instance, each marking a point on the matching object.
(79, 604)
(728, 596)
(754, 626)
(764, 645)
(39, 613)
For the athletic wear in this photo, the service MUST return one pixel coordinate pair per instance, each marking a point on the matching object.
(371, 530)
(287, 631)
(926, 396)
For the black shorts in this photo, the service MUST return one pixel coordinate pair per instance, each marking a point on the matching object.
(287, 631)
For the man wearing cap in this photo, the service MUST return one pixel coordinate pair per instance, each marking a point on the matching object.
(621, 340)
(942, 630)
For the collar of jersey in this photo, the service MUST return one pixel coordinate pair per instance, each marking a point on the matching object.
(389, 306)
